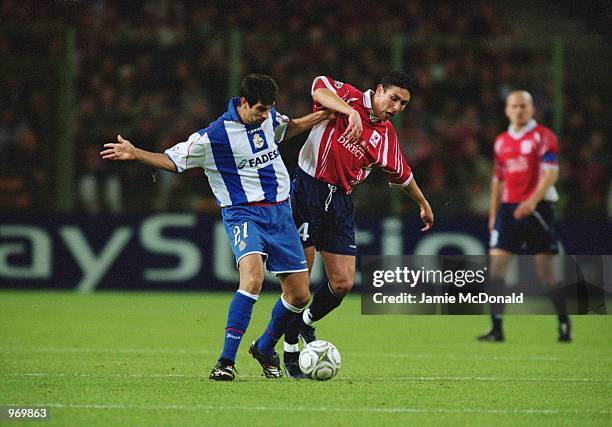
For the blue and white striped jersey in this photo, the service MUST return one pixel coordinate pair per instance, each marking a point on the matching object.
(242, 162)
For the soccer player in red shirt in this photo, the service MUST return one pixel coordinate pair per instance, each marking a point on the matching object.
(521, 209)
(338, 154)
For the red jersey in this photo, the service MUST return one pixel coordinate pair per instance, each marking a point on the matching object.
(519, 159)
(328, 157)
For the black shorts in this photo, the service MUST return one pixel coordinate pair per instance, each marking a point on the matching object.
(324, 215)
(531, 235)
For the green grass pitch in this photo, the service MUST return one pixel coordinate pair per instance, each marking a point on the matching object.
(144, 359)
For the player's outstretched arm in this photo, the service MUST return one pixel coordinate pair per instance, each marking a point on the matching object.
(302, 124)
(333, 102)
(125, 150)
(414, 192)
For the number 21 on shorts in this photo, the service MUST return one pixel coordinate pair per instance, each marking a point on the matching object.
(241, 232)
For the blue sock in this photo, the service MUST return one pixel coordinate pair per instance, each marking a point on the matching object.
(283, 315)
(238, 318)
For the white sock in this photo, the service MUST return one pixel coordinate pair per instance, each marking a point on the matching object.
(306, 317)
(291, 348)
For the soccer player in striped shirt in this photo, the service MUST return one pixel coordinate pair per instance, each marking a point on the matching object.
(240, 157)
(339, 154)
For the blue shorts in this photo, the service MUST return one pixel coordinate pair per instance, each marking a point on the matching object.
(323, 214)
(531, 235)
(265, 230)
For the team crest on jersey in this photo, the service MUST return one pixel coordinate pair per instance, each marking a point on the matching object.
(258, 141)
(242, 245)
(338, 84)
(375, 139)
(526, 146)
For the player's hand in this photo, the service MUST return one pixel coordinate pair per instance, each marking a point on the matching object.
(123, 150)
(427, 217)
(524, 209)
(355, 127)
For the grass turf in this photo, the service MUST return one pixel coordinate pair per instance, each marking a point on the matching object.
(144, 358)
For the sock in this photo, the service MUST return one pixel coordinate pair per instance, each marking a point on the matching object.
(291, 348)
(238, 318)
(497, 321)
(293, 331)
(307, 317)
(497, 287)
(557, 297)
(323, 302)
(283, 315)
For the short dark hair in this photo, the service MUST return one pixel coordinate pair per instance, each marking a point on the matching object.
(259, 88)
(396, 78)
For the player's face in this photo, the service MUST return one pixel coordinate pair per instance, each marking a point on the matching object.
(389, 102)
(519, 109)
(254, 114)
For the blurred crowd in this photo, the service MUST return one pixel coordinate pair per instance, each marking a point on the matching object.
(156, 71)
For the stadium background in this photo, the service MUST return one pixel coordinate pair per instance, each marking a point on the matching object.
(75, 74)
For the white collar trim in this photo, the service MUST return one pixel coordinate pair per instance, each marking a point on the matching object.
(531, 124)
(367, 102)
(367, 99)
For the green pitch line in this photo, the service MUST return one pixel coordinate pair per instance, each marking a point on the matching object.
(144, 358)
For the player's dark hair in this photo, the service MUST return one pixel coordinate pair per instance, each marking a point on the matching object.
(396, 78)
(259, 88)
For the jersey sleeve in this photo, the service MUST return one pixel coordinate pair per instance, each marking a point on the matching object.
(188, 154)
(391, 160)
(498, 169)
(344, 90)
(549, 151)
(279, 124)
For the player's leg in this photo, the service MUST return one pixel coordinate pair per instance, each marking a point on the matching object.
(286, 260)
(291, 303)
(499, 261)
(308, 215)
(239, 314)
(544, 263)
(506, 239)
(338, 250)
(291, 347)
(340, 271)
(294, 330)
(289, 306)
(245, 236)
(542, 241)
(310, 253)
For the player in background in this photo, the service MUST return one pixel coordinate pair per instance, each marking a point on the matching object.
(240, 157)
(339, 154)
(521, 209)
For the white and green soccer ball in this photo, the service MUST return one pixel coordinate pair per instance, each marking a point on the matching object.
(320, 360)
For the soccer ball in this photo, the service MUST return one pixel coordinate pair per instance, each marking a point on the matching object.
(320, 360)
